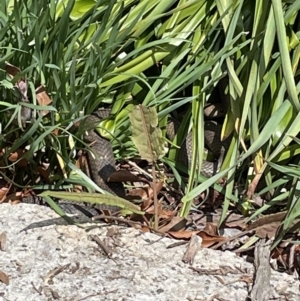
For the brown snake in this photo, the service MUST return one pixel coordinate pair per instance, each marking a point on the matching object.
(102, 162)
(212, 137)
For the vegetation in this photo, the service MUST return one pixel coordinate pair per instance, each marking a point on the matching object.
(169, 54)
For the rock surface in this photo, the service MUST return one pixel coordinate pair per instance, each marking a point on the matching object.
(50, 260)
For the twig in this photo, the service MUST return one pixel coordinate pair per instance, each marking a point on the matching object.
(101, 245)
(155, 198)
(221, 243)
(142, 171)
(129, 222)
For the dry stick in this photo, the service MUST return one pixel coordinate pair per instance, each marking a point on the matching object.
(192, 249)
(129, 222)
(142, 171)
(231, 238)
(261, 290)
(155, 198)
(101, 245)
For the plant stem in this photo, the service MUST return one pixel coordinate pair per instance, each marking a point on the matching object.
(155, 199)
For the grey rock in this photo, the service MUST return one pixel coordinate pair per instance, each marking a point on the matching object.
(51, 260)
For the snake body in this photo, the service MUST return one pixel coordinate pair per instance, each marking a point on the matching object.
(102, 162)
(212, 134)
(212, 137)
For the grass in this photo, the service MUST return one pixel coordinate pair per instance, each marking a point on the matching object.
(169, 54)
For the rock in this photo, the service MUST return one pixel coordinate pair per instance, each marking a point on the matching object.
(51, 260)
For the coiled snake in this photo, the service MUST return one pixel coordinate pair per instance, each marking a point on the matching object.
(102, 162)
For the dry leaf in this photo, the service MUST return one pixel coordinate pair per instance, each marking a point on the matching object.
(211, 229)
(11, 70)
(209, 240)
(183, 234)
(253, 185)
(162, 213)
(232, 220)
(146, 193)
(267, 231)
(159, 186)
(147, 203)
(177, 223)
(267, 219)
(13, 157)
(56, 131)
(3, 240)
(42, 98)
(4, 278)
(3, 194)
(44, 173)
(124, 176)
(14, 198)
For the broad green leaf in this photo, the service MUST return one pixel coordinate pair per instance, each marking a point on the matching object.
(94, 198)
(146, 135)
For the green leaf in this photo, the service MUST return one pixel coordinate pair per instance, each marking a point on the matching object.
(94, 198)
(146, 135)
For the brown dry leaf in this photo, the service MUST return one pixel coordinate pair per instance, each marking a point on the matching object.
(279, 252)
(211, 229)
(3, 241)
(43, 98)
(4, 278)
(145, 229)
(11, 70)
(235, 221)
(44, 173)
(232, 220)
(159, 186)
(145, 193)
(183, 234)
(142, 193)
(125, 176)
(258, 200)
(146, 204)
(3, 194)
(268, 219)
(267, 231)
(209, 240)
(14, 198)
(13, 157)
(82, 163)
(21, 84)
(162, 213)
(55, 132)
(253, 185)
(177, 223)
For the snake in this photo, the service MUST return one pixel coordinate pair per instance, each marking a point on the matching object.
(102, 162)
(212, 139)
